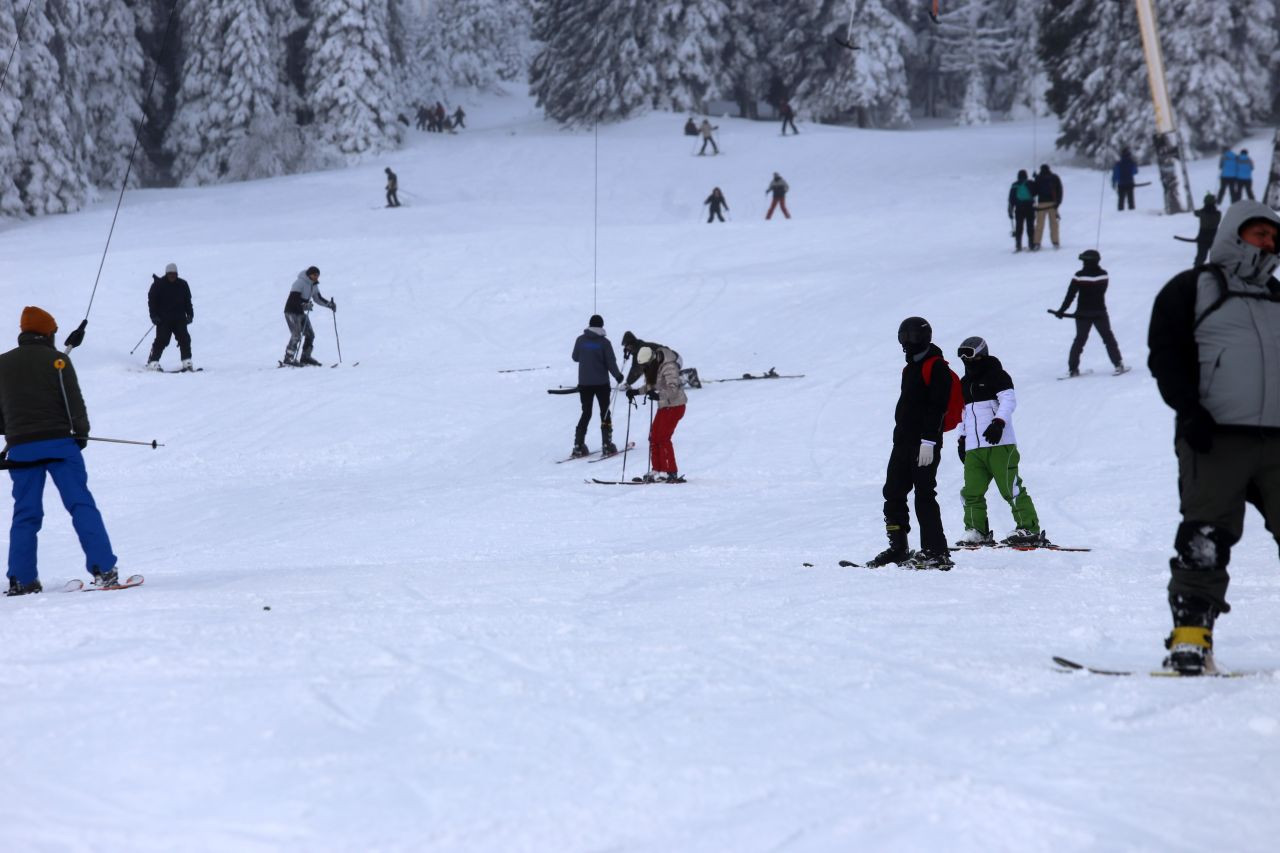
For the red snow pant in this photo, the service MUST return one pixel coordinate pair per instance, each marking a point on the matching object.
(662, 456)
(778, 201)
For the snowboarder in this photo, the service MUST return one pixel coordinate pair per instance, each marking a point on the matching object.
(1244, 175)
(1048, 190)
(596, 363)
(1213, 343)
(690, 127)
(46, 425)
(779, 188)
(1209, 217)
(1090, 283)
(304, 291)
(1228, 172)
(661, 368)
(788, 117)
(1022, 210)
(916, 453)
(717, 202)
(393, 185)
(707, 139)
(988, 450)
(1122, 175)
(459, 118)
(169, 303)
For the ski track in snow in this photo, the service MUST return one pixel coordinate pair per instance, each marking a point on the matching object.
(467, 648)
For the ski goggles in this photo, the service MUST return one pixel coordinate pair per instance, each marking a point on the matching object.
(974, 347)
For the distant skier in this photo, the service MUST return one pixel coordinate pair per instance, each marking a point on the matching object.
(46, 425)
(788, 117)
(779, 188)
(1022, 210)
(169, 303)
(305, 291)
(459, 118)
(596, 363)
(717, 202)
(690, 127)
(1090, 284)
(917, 444)
(1209, 217)
(393, 185)
(989, 451)
(1215, 356)
(1048, 190)
(1122, 175)
(1228, 173)
(706, 129)
(423, 117)
(1244, 175)
(660, 367)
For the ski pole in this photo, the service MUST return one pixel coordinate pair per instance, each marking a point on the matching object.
(336, 339)
(651, 436)
(153, 444)
(141, 339)
(626, 441)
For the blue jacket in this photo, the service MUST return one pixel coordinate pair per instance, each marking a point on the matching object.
(596, 361)
(1244, 167)
(1228, 165)
(1123, 171)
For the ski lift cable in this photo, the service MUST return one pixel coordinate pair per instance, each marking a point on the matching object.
(17, 37)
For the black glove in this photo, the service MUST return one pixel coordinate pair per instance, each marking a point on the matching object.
(960, 448)
(333, 305)
(76, 338)
(632, 392)
(652, 395)
(191, 318)
(1059, 313)
(1197, 428)
(993, 432)
(82, 443)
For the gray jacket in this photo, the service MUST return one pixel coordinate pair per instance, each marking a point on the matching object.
(666, 380)
(303, 292)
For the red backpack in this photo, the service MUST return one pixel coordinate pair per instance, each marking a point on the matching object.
(955, 405)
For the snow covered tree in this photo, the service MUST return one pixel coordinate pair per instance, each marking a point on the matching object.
(973, 46)
(10, 113)
(470, 43)
(113, 62)
(872, 80)
(1022, 84)
(691, 35)
(350, 80)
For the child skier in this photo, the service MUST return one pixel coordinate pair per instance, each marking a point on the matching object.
(718, 203)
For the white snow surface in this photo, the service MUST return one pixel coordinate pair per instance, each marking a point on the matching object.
(469, 648)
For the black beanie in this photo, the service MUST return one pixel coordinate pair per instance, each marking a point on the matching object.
(596, 322)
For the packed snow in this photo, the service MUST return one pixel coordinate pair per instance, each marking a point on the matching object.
(377, 616)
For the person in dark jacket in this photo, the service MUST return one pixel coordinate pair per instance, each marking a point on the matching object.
(917, 446)
(596, 363)
(304, 291)
(1215, 355)
(1122, 175)
(169, 302)
(46, 425)
(718, 203)
(778, 188)
(393, 187)
(1090, 284)
(1244, 176)
(1048, 190)
(1022, 210)
(1209, 217)
(788, 117)
(459, 117)
(690, 127)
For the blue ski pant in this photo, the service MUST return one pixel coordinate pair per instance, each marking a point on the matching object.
(66, 466)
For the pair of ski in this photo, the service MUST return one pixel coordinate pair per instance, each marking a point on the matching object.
(1121, 370)
(77, 585)
(596, 453)
(335, 364)
(637, 481)
(996, 546)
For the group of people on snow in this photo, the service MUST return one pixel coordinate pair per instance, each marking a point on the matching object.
(1035, 200)
(1235, 175)
(434, 118)
(778, 188)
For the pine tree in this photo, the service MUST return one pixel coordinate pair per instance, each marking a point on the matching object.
(470, 43)
(1203, 71)
(691, 36)
(10, 114)
(872, 80)
(973, 46)
(114, 64)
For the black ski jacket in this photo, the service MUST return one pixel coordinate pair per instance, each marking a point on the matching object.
(1090, 284)
(1209, 218)
(984, 379)
(1048, 188)
(170, 301)
(921, 407)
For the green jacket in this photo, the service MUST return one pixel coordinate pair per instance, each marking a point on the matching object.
(32, 402)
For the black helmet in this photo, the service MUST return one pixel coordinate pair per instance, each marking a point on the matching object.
(313, 270)
(974, 347)
(1090, 256)
(915, 334)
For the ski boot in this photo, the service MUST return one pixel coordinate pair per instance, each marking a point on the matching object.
(16, 588)
(106, 580)
(308, 361)
(896, 553)
(187, 366)
(607, 447)
(1023, 538)
(1190, 651)
(154, 365)
(940, 560)
(1120, 368)
(579, 450)
(975, 538)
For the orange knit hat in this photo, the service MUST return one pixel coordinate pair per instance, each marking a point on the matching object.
(38, 320)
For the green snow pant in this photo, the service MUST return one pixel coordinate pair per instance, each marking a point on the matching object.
(999, 463)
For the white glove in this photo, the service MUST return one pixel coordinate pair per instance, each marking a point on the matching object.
(926, 455)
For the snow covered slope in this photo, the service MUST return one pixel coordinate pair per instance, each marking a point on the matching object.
(467, 648)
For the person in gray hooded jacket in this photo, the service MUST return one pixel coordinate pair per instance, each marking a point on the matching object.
(305, 291)
(1214, 346)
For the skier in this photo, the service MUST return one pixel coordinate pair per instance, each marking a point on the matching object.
(1022, 210)
(305, 291)
(779, 188)
(1228, 171)
(1214, 354)
(423, 117)
(706, 129)
(169, 302)
(459, 118)
(914, 459)
(596, 362)
(717, 202)
(393, 184)
(1244, 175)
(988, 450)
(1091, 312)
(661, 368)
(45, 425)
(690, 127)
(1048, 190)
(788, 117)
(1122, 174)
(1209, 217)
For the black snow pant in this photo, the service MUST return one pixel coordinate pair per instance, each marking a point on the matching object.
(789, 120)
(1025, 217)
(715, 149)
(1202, 251)
(1103, 324)
(902, 477)
(590, 395)
(1124, 193)
(392, 199)
(300, 331)
(715, 214)
(166, 330)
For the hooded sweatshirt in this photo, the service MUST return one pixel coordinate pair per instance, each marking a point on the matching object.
(596, 361)
(301, 295)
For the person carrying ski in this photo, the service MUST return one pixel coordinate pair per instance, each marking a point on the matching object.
(718, 203)
(1228, 171)
(707, 139)
(660, 367)
(596, 363)
(1209, 217)
(989, 451)
(779, 188)
(304, 292)
(917, 444)
(1214, 353)
(1244, 175)
(1022, 210)
(788, 117)
(1122, 175)
(393, 184)
(690, 127)
(1048, 189)
(46, 425)
(1090, 284)
(169, 303)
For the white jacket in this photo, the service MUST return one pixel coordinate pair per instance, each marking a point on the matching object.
(979, 415)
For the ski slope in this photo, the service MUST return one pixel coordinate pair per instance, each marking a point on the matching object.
(377, 617)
